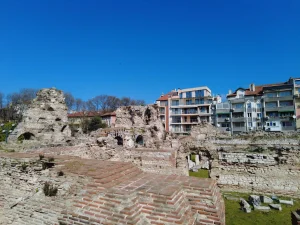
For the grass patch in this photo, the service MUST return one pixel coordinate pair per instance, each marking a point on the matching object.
(193, 158)
(235, 216)
(201, 173)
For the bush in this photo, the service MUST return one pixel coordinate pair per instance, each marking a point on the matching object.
(95, 124)
(49, 189)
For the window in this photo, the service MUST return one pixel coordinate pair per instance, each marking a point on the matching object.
(225, 125)
(249, 115)
(188, 94)
(287, 124)
(249, 124)
(249, 105)
(238, 106)
(180, 95)
(238, 124)
(258, 115)
(271, 104)
(189, 102)
(271, 94)
(297, 82)
(285, 93)
(199, 93)
(175, 102)
(258, 105)
(286, 103)
(259, 124)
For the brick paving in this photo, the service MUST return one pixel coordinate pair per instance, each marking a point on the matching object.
(120, 193)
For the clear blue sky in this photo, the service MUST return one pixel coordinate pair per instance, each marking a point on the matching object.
(145, 47)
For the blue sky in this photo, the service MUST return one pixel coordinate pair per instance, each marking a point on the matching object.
(145, 47)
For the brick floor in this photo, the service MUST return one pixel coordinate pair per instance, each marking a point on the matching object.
(120, 193)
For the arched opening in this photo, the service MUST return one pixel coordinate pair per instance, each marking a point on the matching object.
(120, 140)
(50, 109)
(28, 136)
(139, 140)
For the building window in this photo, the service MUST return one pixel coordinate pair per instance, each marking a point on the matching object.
(259, 124)
(286, 103)
(189, 102)
(271, 104)
(249, 115)
(249, 124)
(249, 105)
(225, 125)
(238, 124)
(258, 115)
(285, 93)
(188, 94)
(175, 102)
(271, 94)
(258, 105)
(297, 82)
(180, 95)
(199, 93)
(287, 124)
(238, 106)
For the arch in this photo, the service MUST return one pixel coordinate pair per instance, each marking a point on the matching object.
(120, 140)
(28, 136)
(139, 140)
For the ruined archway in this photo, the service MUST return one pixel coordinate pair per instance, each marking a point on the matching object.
(139, 140)
(119, 139)
(27, 136)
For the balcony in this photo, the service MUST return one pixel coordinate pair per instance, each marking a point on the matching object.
(277, 98)
(220, 111)
(223, 120)
(238, 109)
(239, 129)
(280, 109)
(238, 119)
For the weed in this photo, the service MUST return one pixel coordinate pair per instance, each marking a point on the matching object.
(49, 189)
(24, 166)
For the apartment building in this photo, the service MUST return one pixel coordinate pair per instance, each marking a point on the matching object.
(182, 109)
(270, 107)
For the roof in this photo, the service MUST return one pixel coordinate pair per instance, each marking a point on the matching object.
(167, 96)
(84, 114)
(109, 114)
(258, 89)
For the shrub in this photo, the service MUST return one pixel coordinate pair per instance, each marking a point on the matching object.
(24, 166)
(96, 123)
(49, 189)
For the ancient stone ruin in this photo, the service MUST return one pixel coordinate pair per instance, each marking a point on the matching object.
(45, 120)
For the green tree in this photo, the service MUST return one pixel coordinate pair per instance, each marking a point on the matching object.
(96, 123)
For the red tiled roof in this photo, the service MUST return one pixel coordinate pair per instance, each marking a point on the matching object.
(167, 96)
(84, 114)
(109, 114)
